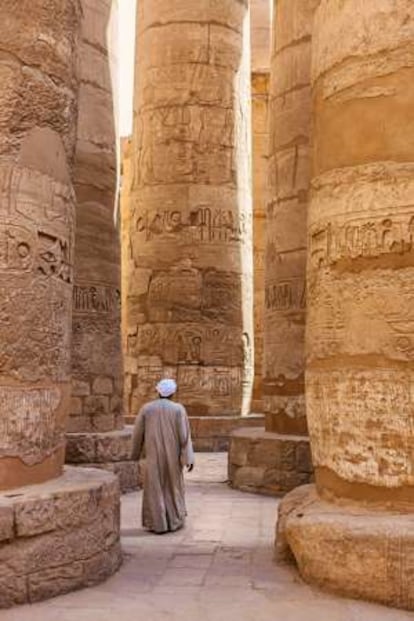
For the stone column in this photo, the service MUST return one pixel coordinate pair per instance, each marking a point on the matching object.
(189, 298)
(38, 94)
(361, 307)
(260, 69)
(278, 459)
(97, 435)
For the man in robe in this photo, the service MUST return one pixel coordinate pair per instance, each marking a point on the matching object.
(162, 427)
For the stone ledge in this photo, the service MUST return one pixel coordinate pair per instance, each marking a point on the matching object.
(53, 535)
(99, 447)
(349, 549)
(212, 433)
(109, 451)
(129, 473)
(268, 463)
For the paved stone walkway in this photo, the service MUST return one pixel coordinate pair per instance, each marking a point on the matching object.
(218, 569)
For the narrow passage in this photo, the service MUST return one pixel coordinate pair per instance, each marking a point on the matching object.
(218, 569)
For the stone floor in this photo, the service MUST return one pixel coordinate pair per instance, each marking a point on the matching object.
(218, 569)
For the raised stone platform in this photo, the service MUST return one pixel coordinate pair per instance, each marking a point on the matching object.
(109, 451)
(212, 433)
(268, 463)
(352, 550)
(59, 536)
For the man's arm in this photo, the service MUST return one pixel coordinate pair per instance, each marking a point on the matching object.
(187, 453)
(138, 436)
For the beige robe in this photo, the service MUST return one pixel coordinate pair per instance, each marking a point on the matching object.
(162, 427)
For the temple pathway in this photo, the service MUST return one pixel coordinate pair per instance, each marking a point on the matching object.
(218, 569)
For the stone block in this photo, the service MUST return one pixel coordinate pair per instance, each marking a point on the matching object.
(351, 550)
(56, 581)
(80, 448)
(268, 463)
(248, 477)
(6, 519)
(102, 386)
(13, 590)
(80, 388)
(33, 517)
(76, 406)
(102, 565)
(95, 405)
(59, 526)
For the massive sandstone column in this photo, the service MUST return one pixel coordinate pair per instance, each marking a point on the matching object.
(189, 298)
(97, 436)
(360, 335)
(46, 515)
(260, 69)
(277, 460)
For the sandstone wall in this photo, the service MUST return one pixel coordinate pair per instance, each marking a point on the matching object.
(38, 105)
(96, 358)
(189, 297)
(285, 297)
(361, 248)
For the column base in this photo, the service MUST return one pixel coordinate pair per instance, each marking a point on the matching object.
(212, 434)
(58, 536)
(268, 463)
(109, 451)
(348, 549)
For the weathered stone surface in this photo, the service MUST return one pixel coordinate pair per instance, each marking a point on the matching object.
(96, 347)
(61, 529)
(260, 32)
(361, 312)
(289, 178)
(268, 463)
(260, 91)
(360, 307)
(212, 433)
(351, 549)
(38, 103)
(110, 451)
(189, 243)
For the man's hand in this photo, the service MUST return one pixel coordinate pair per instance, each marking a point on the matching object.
(190, 467)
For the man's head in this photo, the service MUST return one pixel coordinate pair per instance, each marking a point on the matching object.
(166, 388)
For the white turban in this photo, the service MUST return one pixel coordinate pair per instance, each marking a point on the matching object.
(166, 387)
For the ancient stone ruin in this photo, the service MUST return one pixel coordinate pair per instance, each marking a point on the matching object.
(189, 265)
(253, 239)
(59, 529)
(276, 459)
(97, 435)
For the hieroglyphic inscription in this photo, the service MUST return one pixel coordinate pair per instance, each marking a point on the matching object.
(286, 295)
(356, 404)
(36, 225)
(361, 237)
(202, 225)
(180, 287)
(16, 248)
(190, 344)
(28, 421)
(94, 298)
(217, 382)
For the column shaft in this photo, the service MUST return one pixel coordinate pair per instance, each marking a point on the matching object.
(289, 169)
(37, 134)
(96, 347)
(189, 299)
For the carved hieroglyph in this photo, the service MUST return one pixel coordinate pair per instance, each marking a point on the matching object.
(96, 347)
(360, 379)
(189, 297)
(37, 124)
(289, 169)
